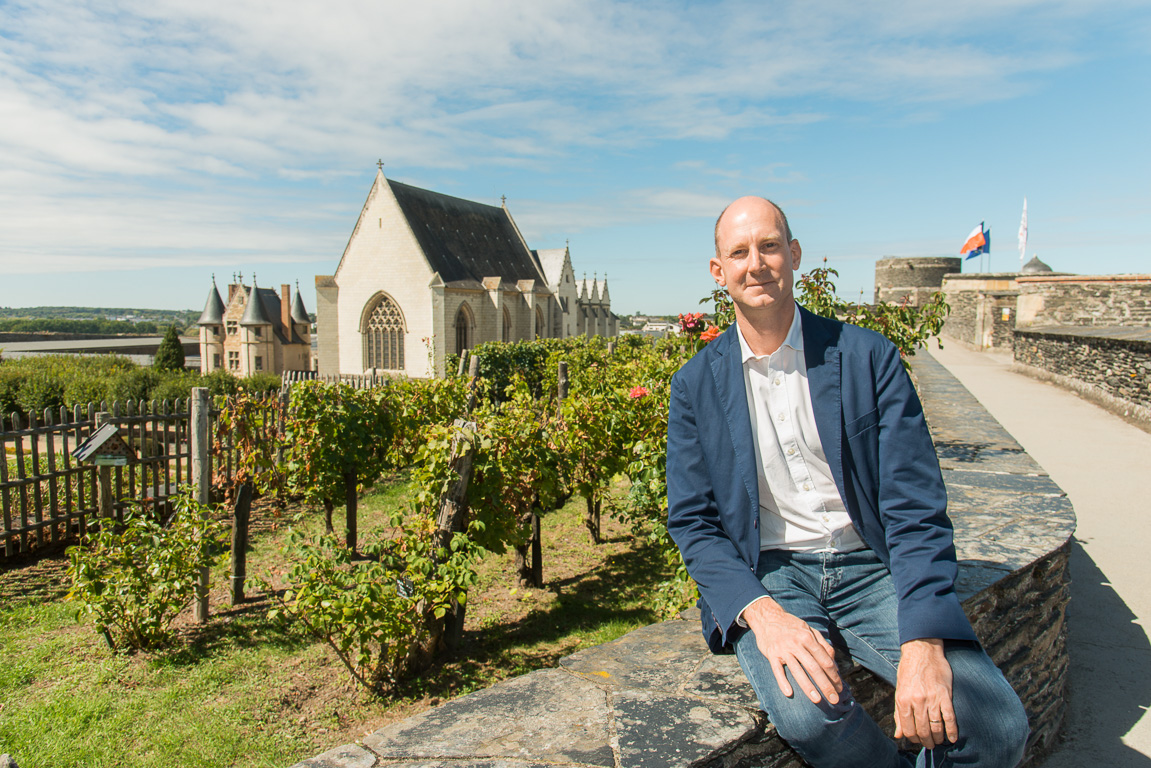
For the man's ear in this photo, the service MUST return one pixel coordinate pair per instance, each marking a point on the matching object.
(717, 271)
(796, 254)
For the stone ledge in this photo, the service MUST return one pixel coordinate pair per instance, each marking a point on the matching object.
(657, 698)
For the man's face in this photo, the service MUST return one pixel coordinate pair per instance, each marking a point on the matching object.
(755, 261)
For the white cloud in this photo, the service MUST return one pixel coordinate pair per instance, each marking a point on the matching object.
(115, 116)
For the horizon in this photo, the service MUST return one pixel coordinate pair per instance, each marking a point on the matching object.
(146, 147)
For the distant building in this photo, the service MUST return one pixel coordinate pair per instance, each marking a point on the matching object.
(256, 331)
(912, 279)
(437, 275)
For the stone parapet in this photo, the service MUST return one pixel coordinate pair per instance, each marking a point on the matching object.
(1110, 366)
(657, 698)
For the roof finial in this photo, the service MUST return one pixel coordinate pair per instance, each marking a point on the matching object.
(213, 278)
(380, 164)
(253, 278)
(567, 242)
(504, 200)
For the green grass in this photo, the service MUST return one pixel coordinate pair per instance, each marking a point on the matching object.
(243, 691)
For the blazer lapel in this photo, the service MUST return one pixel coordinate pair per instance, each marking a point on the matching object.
(727, 370)
(822, 356)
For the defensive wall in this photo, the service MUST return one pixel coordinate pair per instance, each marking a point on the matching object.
(656, 698)
(913, 280)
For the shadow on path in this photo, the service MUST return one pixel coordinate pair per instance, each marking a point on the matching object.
(1109, 685)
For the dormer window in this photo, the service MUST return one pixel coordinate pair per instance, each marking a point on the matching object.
(258, 331)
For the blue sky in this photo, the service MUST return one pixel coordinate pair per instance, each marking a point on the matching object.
(145, 145)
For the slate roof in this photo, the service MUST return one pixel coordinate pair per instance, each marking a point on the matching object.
(552, 264)
(299, 314)
(259, 312)
(465, 240)
(213, 313)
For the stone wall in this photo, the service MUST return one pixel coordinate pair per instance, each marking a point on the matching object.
(983, 309)
(912, 279)
(656, 697)
(1109, 366)
(1085, 300)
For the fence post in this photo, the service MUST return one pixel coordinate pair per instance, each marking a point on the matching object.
(463, 363)
(450, 518)
(240, 516)
(351, 482)
(201, 482)
(104, 475)
(473, 374)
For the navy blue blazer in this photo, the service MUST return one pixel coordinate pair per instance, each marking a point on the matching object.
(871, 424)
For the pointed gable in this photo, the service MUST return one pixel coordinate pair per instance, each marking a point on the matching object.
(465, 240)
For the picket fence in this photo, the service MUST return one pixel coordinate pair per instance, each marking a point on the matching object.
(48, 499)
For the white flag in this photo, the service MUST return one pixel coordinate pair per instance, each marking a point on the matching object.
(1023, 234)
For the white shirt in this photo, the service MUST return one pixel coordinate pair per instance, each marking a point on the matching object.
(799, 504)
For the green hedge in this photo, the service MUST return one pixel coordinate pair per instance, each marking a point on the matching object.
(31, 384)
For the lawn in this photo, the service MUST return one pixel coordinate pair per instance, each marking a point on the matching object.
(244, 691)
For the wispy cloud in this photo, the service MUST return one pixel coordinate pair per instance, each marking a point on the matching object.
(155, 101)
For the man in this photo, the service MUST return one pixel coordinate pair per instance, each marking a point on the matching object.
(806, 498)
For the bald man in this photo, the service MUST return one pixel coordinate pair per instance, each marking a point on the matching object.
(806, 498)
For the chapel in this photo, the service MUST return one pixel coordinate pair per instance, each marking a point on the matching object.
(426, 275)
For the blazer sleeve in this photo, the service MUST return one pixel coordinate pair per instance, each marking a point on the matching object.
(913, 508)
(726, 580)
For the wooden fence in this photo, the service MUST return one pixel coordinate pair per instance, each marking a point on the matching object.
(47, 499)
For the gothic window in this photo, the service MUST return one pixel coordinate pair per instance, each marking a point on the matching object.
(383, 334)
(463, 328)
(507, 326)
(541, 331)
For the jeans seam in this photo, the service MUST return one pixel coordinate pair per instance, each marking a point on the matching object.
(894, 668)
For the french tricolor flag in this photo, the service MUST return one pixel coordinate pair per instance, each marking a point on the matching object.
(979, 241)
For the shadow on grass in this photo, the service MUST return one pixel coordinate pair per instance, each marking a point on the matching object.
(245, 626)
(608, 600)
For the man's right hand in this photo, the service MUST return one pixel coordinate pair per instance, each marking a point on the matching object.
(787, 641)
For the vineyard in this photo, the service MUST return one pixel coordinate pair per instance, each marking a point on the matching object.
(473, 468)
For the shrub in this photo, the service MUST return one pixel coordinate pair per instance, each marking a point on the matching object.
(133, 384)
(40, 390)
(84, 388)
(220, 383)
(11, 379)
(170, 353)
(176, 385)
(133, 579)
(378, 614)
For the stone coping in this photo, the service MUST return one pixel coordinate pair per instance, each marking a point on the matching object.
(1118, 332)
(657, 698)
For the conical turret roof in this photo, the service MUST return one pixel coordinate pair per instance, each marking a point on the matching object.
(254, 313)
(299, 314)
(213, 313)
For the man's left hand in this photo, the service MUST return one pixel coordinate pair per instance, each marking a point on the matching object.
(923, 710)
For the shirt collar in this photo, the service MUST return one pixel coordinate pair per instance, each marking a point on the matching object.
(794, 338)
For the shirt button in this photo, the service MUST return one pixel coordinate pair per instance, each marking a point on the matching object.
(807, 487)
(778, 382)
(790, 451)
(779, 417)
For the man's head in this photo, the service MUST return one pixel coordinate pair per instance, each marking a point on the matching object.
(755, 255)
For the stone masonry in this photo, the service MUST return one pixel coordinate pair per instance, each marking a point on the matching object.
(656, 698)
(1109, 366)
(912, 279)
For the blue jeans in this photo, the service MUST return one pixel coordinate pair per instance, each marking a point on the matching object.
(849, 597)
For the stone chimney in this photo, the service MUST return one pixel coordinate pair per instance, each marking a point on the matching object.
(286, 309)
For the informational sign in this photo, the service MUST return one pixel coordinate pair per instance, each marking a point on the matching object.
(110, 461)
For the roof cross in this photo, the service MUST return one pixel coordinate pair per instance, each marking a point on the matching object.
(380, 165)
